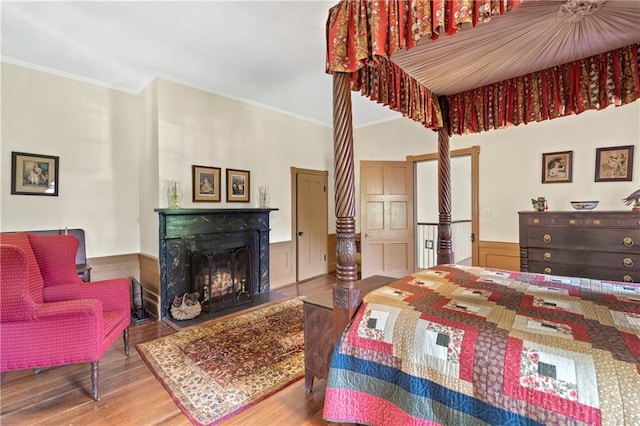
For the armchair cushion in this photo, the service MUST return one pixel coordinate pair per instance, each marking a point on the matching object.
(114, 293)
(56, 256)
(34, 279)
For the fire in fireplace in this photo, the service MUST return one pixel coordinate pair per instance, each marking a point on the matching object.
(223, 278)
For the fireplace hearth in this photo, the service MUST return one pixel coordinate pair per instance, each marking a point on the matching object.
(223, 254)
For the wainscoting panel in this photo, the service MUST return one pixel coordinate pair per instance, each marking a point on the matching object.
(150, 281)
(107, 267)
(332, 260)
(282, 264)
(501, 255)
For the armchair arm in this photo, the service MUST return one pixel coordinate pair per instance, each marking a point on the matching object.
(114, 294)
(84, 307)
(63, 333)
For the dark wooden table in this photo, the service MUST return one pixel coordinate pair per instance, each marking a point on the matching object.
(318, 329)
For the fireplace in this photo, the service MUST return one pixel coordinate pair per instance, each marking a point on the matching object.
(223, 277)
(223, 254)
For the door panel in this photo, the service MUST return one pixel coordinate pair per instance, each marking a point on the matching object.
(387, 218)
(375, 216)
(311, 224)
(399, 216)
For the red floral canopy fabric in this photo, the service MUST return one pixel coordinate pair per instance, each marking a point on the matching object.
(362, 36)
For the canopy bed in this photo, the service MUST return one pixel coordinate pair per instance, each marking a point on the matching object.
(444, 65)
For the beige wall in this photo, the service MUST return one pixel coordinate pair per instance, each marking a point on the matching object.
(117, 151)
(511, 161)
(197, 127)
(95, 132)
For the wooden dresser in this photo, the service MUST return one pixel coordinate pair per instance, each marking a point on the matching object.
(318, 329)
(593, 244)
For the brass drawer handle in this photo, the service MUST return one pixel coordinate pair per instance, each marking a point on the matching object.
(572, 222)
(547, 270)
(546, 238)
(596, 222)
(627, 279)
(536, 221)
(627, 262)
(627, 241)
(546, 256)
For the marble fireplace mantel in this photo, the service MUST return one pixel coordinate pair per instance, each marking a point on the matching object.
(181, 231)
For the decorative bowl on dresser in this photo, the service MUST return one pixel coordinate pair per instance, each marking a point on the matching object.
(601, 245)
(584, 205)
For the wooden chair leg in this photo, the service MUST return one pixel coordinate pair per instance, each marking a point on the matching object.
(94, 380)
(125, 336)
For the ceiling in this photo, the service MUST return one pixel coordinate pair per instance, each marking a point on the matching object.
(268, 53)
(272, 53)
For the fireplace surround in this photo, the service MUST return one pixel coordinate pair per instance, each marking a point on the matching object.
(221, 253)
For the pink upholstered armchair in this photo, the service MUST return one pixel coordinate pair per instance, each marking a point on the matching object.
(48, 316)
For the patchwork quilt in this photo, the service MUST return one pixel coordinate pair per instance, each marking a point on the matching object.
(457, 345)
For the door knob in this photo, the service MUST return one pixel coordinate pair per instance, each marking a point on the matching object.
(300, 233)
(366, 234)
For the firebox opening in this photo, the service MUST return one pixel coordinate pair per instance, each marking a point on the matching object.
(222, 277)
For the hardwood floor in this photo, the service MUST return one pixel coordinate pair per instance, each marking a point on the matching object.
(131, 395)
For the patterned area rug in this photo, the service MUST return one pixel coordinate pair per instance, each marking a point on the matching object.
(215, 370)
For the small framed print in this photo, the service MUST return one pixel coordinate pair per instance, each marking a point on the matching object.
(614, 164)
(206, 183)
(238, 185)
(34, 174)
(557, 167)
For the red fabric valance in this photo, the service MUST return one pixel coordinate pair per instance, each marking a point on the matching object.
(362, 35)
(593, 83)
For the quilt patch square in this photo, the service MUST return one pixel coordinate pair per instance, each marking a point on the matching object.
(438, 346)
(373, 325)
(495, 277)
(543, 302)
(547, 290)
(556, 379)
(543, 326)
(626, 320)
(466, 307)
(472, 293)
(552, 374)
(394, 293)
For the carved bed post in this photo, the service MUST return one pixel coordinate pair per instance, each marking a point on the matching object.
(346, 296)
(445, 251)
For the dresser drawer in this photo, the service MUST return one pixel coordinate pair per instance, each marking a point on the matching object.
(617, 240)
(602, 221)
(584, 219)
(625, 261)
(598, 273)
(546, 220)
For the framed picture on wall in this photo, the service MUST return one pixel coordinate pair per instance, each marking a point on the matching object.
(238, 185)
(206, 183)
(557, 167)
(614, 164)
(34, 174)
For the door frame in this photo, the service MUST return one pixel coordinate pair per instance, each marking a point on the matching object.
(295, 171)
(474, 152)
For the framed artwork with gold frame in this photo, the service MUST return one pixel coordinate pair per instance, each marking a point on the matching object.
(206, 184)
(238, 185)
